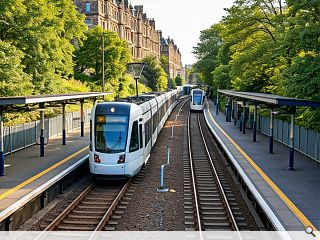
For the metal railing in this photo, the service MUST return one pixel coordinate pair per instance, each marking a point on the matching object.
(20, 136)
(305, 141)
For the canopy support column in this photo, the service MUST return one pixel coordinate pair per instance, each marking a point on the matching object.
(1, 146)
(228, 110)
(82, 117)
(255, 113)
(235, 114)
(271, 133)
(291, 153)
(64, 131)
(41, 130)
(240, 117)
(232, 108)
(244, 118)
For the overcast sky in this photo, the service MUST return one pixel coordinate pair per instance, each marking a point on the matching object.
(183, 20)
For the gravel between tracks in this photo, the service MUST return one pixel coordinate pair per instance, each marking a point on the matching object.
(150, 210)
(49, 213)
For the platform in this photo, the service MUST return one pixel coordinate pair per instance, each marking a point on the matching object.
(25, 171)
(293, 196)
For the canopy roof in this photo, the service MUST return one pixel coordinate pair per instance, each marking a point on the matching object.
(271, 99)
(12, 101)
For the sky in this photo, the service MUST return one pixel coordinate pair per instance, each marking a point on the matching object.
(183, 20)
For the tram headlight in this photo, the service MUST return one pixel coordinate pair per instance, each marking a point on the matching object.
(97, 159)
(122, 159)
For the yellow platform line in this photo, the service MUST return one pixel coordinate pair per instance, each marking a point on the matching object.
(303, 219)
(35, 177)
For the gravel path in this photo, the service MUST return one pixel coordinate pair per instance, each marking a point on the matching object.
(150, 210)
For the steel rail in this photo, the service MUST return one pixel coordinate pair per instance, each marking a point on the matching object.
(113, 206)
(187, 100)
(62, 215)
(221, 190)
(193, 178)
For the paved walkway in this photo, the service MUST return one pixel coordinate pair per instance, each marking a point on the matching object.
(25, 170)
(300, 187)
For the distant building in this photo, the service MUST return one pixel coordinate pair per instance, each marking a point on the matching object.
(182, 72)
(172, 52)
(129, 22)
(187, 67)
(132, 25)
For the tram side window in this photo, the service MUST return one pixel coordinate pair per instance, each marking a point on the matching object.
(140, 136)
(134, 141)
(90, 145)
(148, 131)
(154, 121)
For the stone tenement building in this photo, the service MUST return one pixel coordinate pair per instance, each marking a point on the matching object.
(130, 23)
(172, 52)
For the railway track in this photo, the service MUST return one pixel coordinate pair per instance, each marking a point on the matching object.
(209, 201)
(95, 209)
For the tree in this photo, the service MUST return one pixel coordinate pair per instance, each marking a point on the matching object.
(301, 50)
(116, 52)
(207, 50)
(13, 81)
(164, 61)
(43, 31)
(179, 80)
(171, 83)
(154, 74)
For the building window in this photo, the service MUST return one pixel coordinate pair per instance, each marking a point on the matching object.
(88, 7)
(88, 22)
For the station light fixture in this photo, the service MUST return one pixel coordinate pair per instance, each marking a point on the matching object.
(136, 69)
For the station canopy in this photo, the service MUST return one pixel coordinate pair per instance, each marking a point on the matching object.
(271, 99)
(52, 98)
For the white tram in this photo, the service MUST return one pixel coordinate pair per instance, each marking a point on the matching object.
(123, 132)
(198, 100)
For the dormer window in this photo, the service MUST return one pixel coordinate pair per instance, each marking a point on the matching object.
(88, 7)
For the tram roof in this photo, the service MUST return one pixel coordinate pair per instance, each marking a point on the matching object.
(11, 101)
(140, 99)
(271, 99)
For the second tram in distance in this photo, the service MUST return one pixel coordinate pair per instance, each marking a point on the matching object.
(198, 100)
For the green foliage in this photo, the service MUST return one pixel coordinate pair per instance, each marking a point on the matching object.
(43, 31)
(207, 52)
(171, 83)
(164, 61)
(69, 86)
(13, 81)
(154, 74)
(179, 80)
(116, 53)
(127, 87)
(265, 46)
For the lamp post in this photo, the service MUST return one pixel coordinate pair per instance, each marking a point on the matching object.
(136, 70)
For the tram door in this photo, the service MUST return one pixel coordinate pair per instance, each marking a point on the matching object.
(136, 145)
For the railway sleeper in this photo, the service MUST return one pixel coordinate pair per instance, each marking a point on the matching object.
(75, 228)
(85, 216)
(87, 212)
(101, 202)
(215, 218)
(81, 221)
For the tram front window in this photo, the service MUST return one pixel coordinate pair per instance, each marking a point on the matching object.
(111, 133)
(197, 98)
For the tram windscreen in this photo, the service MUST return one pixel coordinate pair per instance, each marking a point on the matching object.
(197, 97)
(111, 133)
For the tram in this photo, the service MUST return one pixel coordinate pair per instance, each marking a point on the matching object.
(198, 100)
(123, 132)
